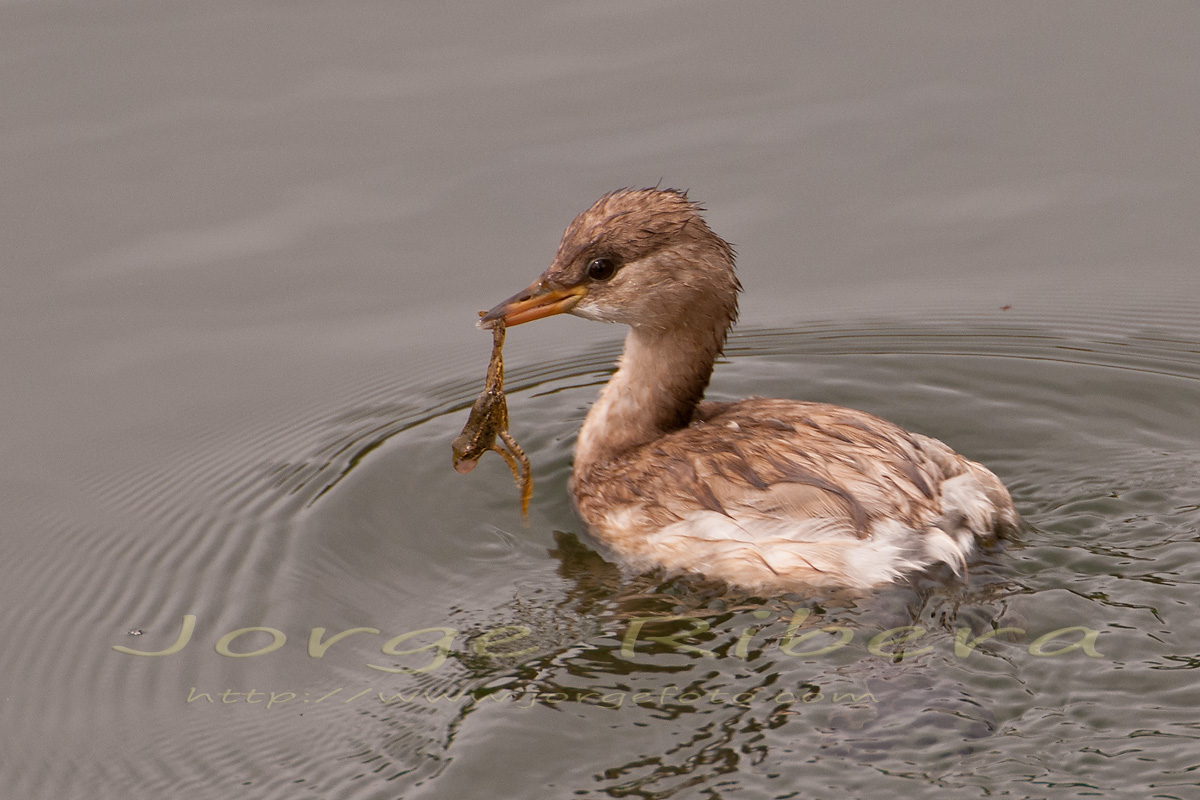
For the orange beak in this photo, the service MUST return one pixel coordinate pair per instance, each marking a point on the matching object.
(538, 300)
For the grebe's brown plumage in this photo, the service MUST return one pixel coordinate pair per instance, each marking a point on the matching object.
(762, 493)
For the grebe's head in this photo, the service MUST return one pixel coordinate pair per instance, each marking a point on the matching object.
(642, 257)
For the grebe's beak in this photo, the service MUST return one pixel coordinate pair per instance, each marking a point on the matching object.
(540, 299)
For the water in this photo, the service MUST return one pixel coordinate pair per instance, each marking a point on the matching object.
(244, 249)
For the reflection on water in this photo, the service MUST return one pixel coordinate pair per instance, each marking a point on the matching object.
(368, 622)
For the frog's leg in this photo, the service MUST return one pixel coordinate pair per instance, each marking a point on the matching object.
(524, 475)
(495, 371)
(520, 475)
(512, 462)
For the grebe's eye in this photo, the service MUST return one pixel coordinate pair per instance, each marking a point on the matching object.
(601, 269)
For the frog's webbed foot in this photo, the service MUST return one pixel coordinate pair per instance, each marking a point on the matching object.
(518, 462)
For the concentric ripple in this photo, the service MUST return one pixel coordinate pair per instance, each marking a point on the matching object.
(349, 517)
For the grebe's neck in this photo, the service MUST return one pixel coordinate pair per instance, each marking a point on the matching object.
(661, 376)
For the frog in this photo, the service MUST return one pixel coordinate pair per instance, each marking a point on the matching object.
(488, 422)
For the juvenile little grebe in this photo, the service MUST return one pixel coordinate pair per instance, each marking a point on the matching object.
(761, 493)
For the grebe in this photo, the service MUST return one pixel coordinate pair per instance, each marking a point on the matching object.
(763, 494)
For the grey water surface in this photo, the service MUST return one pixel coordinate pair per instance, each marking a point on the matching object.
(243, 248)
